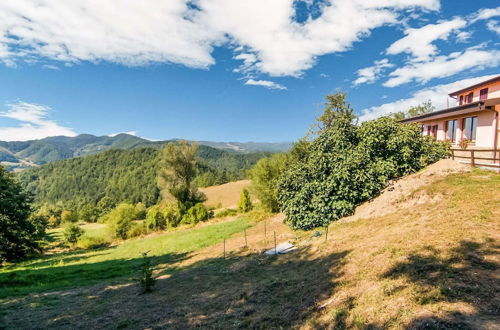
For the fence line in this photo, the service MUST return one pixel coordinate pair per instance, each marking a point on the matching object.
(472, 156)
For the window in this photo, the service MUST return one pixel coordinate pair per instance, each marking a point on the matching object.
(469, 126)
(483, 94)
(470, 97)
(428, 130)
(434, 131)
(451, 129)
(461, 101)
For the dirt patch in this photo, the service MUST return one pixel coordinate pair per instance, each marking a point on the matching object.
(401, 193)
(225, 195)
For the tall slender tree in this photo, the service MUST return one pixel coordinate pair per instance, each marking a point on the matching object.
(177, 172)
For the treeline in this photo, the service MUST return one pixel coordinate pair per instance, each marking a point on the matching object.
(116, 176)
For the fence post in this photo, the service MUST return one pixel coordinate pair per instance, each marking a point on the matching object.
(452, 154)
(246, 243)
(275, 253)
(326, 234)
(472, 162)
(224, 248)
(265, 232)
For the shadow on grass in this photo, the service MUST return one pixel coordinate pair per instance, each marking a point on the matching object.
(254, 291)
(464, 275)
(57, 277)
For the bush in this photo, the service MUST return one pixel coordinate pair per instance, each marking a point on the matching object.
(146, 280)
(120, 219)
(137, 229)
(72, 233)
(91, 242)
(245, 204)
(140, 211)
(68, 216)
(347, 164)
(197, 213)
(155, 219)
(226, 213)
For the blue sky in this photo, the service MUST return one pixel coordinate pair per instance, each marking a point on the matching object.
(231, 70)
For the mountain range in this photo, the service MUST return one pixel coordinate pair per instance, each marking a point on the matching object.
(23, 154)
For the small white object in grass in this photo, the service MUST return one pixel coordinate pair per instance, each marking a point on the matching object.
(281, 249)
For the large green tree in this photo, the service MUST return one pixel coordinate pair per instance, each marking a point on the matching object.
(18, 233)
(177, 172)
(347, 164)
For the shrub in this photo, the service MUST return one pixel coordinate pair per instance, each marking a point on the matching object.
(155, 219)
(140, 211)
(72, 233)
(197, 213)
(136, 230)
(245, 204)
(68, 216)
(120, 219)
(347, 164)
(172, 215)
(91, 242)
(226, 213)
(146, 279)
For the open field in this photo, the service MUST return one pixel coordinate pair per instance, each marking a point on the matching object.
(225, 195)
(434, 265)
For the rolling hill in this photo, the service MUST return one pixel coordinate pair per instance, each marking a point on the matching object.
(22, 154)
(124, 175)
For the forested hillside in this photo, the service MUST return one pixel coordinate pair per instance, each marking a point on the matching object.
(124, 175)
(22, 154)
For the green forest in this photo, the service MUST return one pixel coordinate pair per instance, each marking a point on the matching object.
(124, 176)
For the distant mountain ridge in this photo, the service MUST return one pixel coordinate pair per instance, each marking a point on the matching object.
(22, 154)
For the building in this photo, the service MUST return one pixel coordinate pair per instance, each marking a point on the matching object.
(475, 118)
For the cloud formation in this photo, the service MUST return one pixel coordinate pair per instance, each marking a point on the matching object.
(265, 83)
(369, 74)
(437, 94)
(265, 34)
(419, 42)
(33, 123)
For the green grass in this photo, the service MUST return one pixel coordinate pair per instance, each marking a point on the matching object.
(116, 263)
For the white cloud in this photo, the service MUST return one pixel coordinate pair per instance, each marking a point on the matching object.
(485, 13)
(493, 26)
(185, 31)
(437, 94)
(265, 83)
(444, 66)
(369, 74)
(419, 42)
(34, 123)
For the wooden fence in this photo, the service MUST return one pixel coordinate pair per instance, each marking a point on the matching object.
(478, 157)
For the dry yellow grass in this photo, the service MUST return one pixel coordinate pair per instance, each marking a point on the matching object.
(431, 266)
(225, 195)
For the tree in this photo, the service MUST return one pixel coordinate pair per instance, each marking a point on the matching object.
(195, 214)
(18, 235)
(347, 164)
(244, 204)
(336, 106)
(72, 233)
(417, 110)
(155, 219)
(264, 176)
(177, 172)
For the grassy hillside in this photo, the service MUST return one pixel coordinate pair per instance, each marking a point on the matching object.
(434, 266)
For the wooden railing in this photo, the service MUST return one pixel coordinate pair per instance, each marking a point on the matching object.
(476, 157)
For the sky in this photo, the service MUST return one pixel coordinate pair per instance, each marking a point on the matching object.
(231, 70)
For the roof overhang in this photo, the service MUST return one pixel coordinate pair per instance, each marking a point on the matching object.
(486, 82)
(455, 111)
